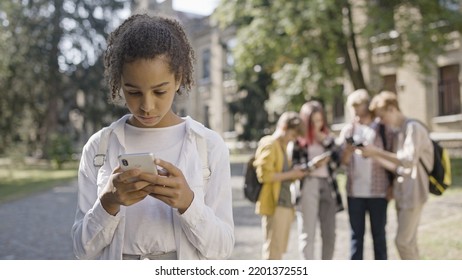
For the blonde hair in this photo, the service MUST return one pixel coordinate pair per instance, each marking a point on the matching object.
(358, 96)
(384, 100)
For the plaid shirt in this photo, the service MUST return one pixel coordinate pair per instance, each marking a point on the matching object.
(378, 176)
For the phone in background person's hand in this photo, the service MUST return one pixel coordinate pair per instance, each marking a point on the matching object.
(352, 142)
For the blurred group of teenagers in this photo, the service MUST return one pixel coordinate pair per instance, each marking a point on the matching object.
(380, 151)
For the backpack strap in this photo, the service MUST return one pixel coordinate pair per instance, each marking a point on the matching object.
(201, 145)
(423, 165)
(383, 136)
(100, 156)
(386, 147)
(428, 133)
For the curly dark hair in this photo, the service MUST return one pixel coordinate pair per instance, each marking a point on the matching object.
(147, 37)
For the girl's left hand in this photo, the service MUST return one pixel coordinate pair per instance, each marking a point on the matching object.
(171, 188)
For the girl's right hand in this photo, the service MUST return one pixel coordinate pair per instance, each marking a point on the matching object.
(298, 173)
(122, 188)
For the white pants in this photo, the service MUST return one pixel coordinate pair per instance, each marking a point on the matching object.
(317, 202)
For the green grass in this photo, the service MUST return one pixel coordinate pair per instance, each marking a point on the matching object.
(23, 181)
(456, 169)
(441, 239)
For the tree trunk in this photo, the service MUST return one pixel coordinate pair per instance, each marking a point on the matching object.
(352, 59)
(54, 87)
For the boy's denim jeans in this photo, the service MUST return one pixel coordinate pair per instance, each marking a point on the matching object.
(377, 209)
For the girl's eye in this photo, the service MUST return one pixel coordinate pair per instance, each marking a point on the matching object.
(134, 93)
(160, 92)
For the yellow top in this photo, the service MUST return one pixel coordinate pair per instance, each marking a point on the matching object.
(269, 159)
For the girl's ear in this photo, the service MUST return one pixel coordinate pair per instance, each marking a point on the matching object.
(177, 84)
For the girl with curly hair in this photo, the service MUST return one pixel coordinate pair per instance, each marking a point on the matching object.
(177, 213)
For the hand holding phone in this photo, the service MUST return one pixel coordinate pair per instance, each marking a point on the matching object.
(352, 142)
(305, 166)
(142, 161)
(115, 192)
(349, 140)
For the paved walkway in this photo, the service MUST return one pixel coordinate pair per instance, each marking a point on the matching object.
(38, 227)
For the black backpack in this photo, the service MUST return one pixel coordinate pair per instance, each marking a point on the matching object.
(252, 186)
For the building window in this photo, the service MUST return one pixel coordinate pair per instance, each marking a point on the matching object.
(389, 83)
(449, 90)
(206, 64)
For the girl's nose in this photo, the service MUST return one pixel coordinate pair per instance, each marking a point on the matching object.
(147, 103)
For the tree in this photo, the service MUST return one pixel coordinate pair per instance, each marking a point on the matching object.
(254, 86)
(48, 42)
(324, 39)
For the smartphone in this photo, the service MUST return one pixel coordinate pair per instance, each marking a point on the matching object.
(324, 155)
(305, 166)
(318, 158)
(351, 141)
(311, 165)
(142, 161)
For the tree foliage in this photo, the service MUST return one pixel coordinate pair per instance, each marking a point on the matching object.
(51, 50)
(309, 47)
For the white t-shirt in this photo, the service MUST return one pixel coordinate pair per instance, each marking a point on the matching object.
(361, 179)
(153, 233)
(314, 150)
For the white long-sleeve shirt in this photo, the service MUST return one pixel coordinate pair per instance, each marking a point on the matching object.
(204, 231)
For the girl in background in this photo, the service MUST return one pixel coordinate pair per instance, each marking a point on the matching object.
(274, 170)
(318, 197)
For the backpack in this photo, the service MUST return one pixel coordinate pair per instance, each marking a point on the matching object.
(439, 176)
(252, 186)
